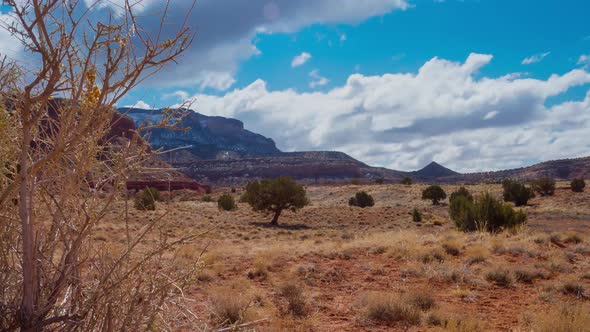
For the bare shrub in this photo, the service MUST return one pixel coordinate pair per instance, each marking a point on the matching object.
(389, 309)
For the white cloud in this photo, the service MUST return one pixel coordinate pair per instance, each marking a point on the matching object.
(140, 104)
(300, 60)
(535, 58)
(403, 121)
(343, 37)
(584, 60)
(318, 80)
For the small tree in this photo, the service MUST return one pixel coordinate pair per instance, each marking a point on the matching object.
(146, 200)
(226, 202)
(544, 186)
(362, 200)
(416, 215)
(578, 185)
(407, 181)
(434, 193)
(517, 193)
(276, 195)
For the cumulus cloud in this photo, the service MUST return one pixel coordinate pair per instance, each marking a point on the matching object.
(443, 112)
(140, 104)
(535, 58)
(300, 60)
(225, 31)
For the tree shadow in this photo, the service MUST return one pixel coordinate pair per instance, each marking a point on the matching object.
(291, 227)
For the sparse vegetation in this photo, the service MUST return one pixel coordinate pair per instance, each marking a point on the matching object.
(406, 180)
(544, 186)
(362, 200)
(485, 214)
(207, 199)
(379, 180)
(296, 303)
(578, 185)
(500, 277)
(226, 202)
(389, 309)
(275, 196)
(434, 193)
(416, 215)
(146, 199)
(517, 193)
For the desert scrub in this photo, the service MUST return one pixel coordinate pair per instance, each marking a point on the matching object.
(226, 202)
(421, 300)
(452, 246)
(207, 199)
(416, 215)
(500, 277)
(231, 304)
(146, 199)
(559, 319)
(293, 294)
(389, 309)
(362, 200)
(573, 288)
(477, 254)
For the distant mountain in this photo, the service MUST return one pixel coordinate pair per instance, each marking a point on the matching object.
(208, 137)
(220, 150)
(434, 170)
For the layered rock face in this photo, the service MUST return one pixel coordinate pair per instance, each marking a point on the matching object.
(205, 137)
(219, 151)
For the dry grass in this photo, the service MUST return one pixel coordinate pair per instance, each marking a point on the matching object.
(389, 309)
(309, 276)
(560, 319)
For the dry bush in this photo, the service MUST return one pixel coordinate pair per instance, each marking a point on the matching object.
(231, 303)
(296, 302)
(421, 300)
(477, 254)
(499, 276)
(527, 275)
(389, 309)
(63, 170)
(452, 246)
(573, 288)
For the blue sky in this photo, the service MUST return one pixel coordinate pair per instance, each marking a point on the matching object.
(473, 84)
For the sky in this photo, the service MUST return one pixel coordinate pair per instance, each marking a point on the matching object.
(475, 85)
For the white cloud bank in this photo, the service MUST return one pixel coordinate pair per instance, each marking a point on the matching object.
(404, 121)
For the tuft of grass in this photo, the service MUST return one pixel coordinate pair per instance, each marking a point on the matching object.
(477, 254)
(452, 247)
(421, 300)
(230, 304)
(389, 309)
(500, 277)
(573, 288)
(527, 276)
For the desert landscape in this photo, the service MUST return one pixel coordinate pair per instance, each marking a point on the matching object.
(281, 165)
(335, 267)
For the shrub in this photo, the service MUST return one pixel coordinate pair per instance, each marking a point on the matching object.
(355, 182)
(407, 181)
(485, 214)
(544, 186)
(517, 193)
(276, 195)
(226, 202)
(461, 192)
(499, 277)
(389, 309)
(379, 180)
(560, 319)
(578, 185)
(416, 215)
(207, 199)
(362, 200)
(434, 193)
(296, 301)
(422, 301)
(146, 200)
